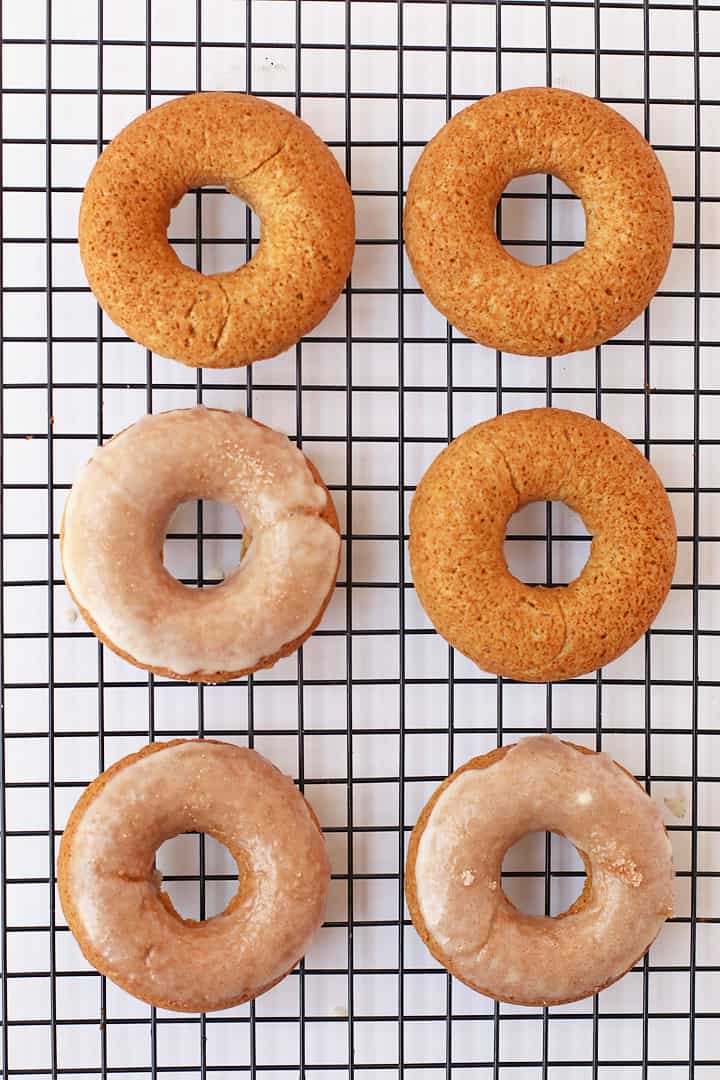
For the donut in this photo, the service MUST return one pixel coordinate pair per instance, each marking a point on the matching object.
(453, 872)
(272, 161)
(114, 524)
(458, 519)
(126, 925)
(465, 271)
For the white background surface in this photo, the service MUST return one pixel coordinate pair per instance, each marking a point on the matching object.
(375, 695)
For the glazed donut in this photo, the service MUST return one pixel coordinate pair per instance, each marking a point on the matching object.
(127, 926)
(114, 524)
(566, 306)
(453, 873)
(267, 157)
(457, 526)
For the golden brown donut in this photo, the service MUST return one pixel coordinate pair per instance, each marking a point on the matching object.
(453, 872)
(266, 156)
(538, 310)
(458, 519)
(114, 524)
(126, 924)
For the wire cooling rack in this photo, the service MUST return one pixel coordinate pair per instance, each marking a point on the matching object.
(375, 709)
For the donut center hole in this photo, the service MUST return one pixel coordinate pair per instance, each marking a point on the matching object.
(203, 542)
(540, 220)
(543, 874)
(546, 544)
(199, 875)
(213, 231)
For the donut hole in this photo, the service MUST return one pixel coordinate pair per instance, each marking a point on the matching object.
(199, 875)
(226, 227)
(530, 208)
(203, 543)
(543, 874)
(546, 544)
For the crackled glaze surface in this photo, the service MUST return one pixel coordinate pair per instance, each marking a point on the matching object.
(111, 894)
(454, 873)
(115, 522)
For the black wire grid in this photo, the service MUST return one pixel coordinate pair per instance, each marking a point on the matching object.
(376, 709)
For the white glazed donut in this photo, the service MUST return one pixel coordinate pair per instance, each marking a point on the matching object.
(128, 928)
(453, 886)
(115, 521)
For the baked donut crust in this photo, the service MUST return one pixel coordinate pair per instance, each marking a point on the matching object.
(327, 514)
(478, 286)
(458, 520)
(637, 858)
(264, 155)
(74, 882)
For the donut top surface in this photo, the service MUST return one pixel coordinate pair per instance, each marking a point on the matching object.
(458, 521)
(115, 521)
(111, 893)
(264, 155)
(462, 266)
(542, 784)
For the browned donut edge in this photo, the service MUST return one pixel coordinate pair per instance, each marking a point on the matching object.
(81, 806)
(484, 761)
(329, 515)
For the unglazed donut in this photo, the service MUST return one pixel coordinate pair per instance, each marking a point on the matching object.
(468, 275)
(458, 520)
(453, 873)
(114, 524)
(127, 926)
(266, 156)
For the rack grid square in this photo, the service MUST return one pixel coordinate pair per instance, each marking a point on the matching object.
(375, 709)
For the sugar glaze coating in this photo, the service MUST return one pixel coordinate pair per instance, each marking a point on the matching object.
(453, 880)
(110, 891)
(115, 521)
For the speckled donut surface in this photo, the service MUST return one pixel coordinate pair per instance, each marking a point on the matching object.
(453, 874)
(266, 156)
(458, 520)
(127, 926)
(538, 310)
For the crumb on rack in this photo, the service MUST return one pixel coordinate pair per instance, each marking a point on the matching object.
(676, 804)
